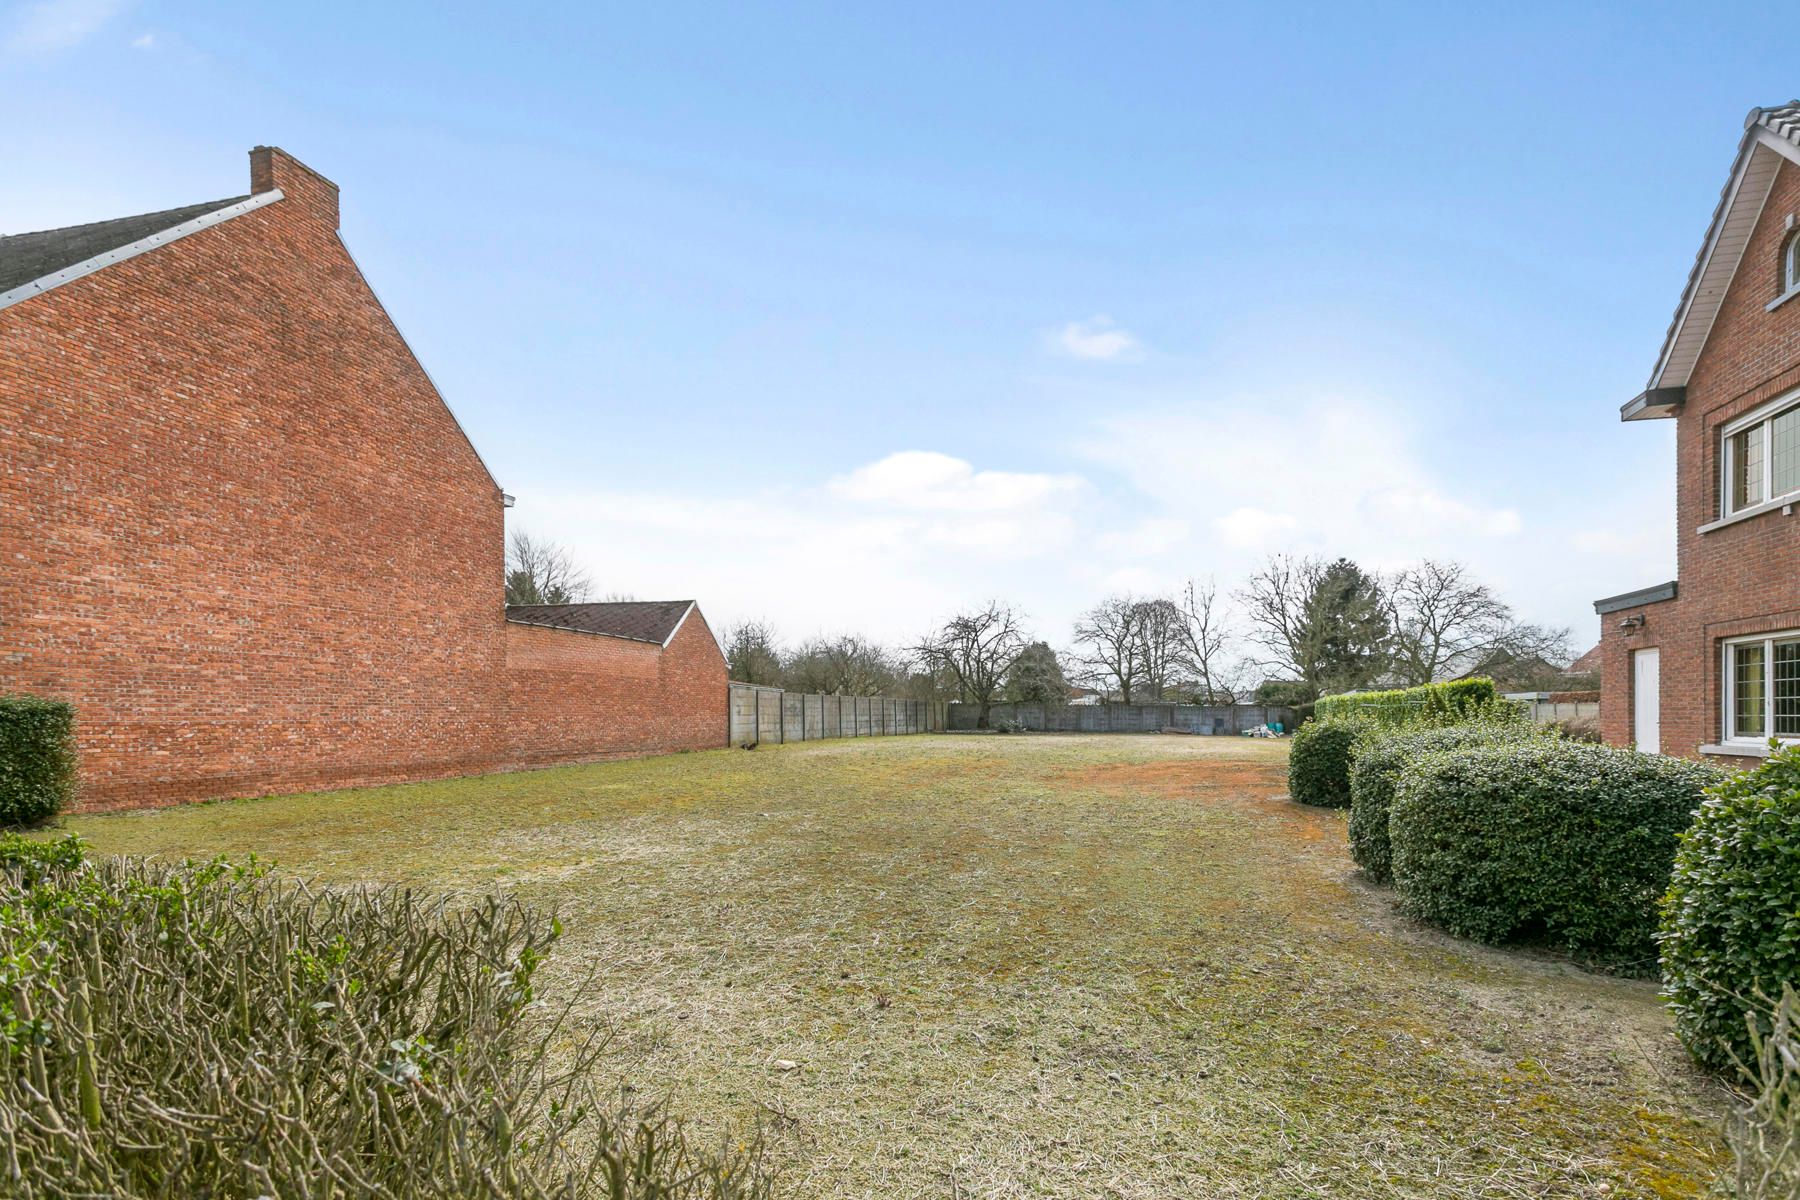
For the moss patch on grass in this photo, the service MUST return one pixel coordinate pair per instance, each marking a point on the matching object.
(1037, 966)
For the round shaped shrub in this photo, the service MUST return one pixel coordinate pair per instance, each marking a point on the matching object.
(1379, 759)
(1544, 840)
(1319, 762)
(1731, 921)
(37, 758)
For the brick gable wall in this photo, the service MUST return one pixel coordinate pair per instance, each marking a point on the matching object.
(1743, 578)
(243, 534)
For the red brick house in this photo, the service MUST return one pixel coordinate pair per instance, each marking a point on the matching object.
(245, 536)
(1709, 663)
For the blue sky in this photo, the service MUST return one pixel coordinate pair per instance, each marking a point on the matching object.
(846, 319)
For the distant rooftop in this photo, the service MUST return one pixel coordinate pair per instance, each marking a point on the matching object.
(636, 620)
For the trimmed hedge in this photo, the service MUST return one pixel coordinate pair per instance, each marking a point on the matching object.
(37, 758)
(203, 1029)
(1563, 842)
(1379, 760)
(1731, 921)
(1319, 763)
(1437, 703)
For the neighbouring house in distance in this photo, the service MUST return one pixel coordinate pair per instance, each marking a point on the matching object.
(247, 539)
(1709, 663)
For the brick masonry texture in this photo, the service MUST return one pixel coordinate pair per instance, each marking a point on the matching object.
(1740, 579)
(246, 538)
(585, 695)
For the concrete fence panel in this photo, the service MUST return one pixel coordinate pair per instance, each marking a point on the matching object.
(767, 714)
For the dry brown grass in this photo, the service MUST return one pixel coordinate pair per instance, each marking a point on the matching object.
(1030, 966)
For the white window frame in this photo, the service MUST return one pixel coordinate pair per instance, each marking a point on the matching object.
(1728, 673)
(1764, 416)
(1790, 265)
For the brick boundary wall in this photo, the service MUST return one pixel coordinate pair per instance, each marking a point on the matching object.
(244, 536)
(575, 697)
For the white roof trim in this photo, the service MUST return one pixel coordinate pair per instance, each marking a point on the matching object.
(1759, 158)
(692, 605)
(1778, 144)
(1732, 225)
(38, 287)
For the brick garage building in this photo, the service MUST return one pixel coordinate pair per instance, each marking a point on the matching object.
(247, 539)
(1709, 663)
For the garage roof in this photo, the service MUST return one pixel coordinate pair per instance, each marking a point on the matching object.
(636, 620)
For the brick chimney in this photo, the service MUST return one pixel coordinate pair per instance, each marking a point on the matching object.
(272, 167)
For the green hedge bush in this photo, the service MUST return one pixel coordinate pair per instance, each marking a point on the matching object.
(1436, 703)
(1731, 922)
(1379, 759)
(37, 758)
(170, 1031)
(1563, 842)
(1319, 762)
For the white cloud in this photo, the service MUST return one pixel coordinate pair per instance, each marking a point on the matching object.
(144, 41)
(51, 26)
(922, 479)
(1331, 474)
(1149, 538)
(1254, 529)
(884, 550)
(1425, 511)
(1201, 489)
(1097, 339)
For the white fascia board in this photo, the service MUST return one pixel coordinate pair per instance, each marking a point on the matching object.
(1780, 145)
(1709, 257)
(1756, 140)
(692, 605)
(100, 262)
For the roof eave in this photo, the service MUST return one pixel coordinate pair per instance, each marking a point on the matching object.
(1643, 596)
(1746, 191)
(685, 614)
(1654, 404)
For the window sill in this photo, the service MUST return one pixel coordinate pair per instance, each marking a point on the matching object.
(1782, 299)
(1782, 503)
(1744, 749)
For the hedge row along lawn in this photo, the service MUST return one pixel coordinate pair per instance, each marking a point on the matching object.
(1031, 966)
(1432, 702)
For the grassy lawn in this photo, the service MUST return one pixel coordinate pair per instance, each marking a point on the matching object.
(1031, 966)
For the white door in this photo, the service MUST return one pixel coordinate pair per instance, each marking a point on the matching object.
(1646, 701)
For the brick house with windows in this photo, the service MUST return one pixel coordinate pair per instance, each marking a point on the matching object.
(244, 535)
(1709, 663)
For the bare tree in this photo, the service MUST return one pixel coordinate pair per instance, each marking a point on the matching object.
(847, 665)
(1275, 601)
(1106, 639)
(1158, 630)
(1443, 619)
(1205, 631)
(1440, 615)
(539, 571)
(1326, 623)
(976, 649)
(752, 654)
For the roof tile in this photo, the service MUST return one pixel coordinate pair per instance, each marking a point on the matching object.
(637, 620)
(25, 257)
